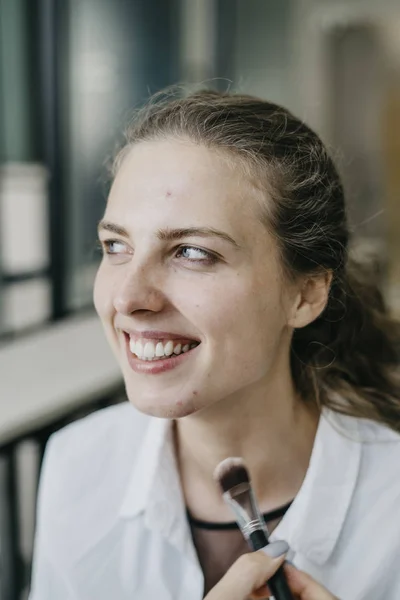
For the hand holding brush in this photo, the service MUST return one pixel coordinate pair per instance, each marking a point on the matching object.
(245, 579)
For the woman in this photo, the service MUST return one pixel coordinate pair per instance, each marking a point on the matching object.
(241, 329)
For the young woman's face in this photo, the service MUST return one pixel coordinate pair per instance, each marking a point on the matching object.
(188, 264)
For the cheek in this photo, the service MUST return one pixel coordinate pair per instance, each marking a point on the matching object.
(102, 293)
(244, 317)
(202, 304)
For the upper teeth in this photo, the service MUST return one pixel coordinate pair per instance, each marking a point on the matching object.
(151, 350)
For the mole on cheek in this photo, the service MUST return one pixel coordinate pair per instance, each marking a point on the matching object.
(168, 193)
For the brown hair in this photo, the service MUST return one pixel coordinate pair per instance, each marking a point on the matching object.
(347, 359)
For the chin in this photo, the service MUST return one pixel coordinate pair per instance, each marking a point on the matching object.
(163, 409)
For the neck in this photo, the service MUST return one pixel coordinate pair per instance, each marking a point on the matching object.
(271, 429)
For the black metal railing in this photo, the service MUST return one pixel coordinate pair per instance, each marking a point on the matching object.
(15, 569)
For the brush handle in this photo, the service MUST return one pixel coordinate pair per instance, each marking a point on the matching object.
(277, 583)
(279, 586)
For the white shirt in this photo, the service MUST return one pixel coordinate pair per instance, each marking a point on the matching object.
(112, 520)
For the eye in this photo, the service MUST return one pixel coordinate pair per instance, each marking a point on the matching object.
(114, 247)
(196, 255)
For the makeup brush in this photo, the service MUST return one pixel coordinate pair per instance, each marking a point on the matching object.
(234, 480)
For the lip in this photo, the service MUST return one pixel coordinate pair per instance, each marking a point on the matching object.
(157, 335)
(155, 367)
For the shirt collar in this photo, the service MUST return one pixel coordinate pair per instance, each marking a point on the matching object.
(145, 468)
(312, 524)
(154, 488)
(314, 521)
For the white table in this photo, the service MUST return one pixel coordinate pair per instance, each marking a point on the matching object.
(45, 376)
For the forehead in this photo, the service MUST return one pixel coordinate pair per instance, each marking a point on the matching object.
(187, 182)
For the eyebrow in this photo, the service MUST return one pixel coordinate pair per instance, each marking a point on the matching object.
(113, 228)
(170, 235)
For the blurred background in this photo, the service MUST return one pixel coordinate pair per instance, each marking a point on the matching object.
(70, 73)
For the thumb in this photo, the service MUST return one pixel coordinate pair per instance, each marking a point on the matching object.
(305, 586)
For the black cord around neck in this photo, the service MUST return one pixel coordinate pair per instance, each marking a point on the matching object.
(272, 515)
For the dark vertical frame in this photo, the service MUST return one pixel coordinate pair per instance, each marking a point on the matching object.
(226, 42)
(35, 69)
(52, 20)
(160, 32)
(2, 122)
(33, 146)
(12, 576)
(2, 158)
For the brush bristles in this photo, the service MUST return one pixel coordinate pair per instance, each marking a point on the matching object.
(231, 472)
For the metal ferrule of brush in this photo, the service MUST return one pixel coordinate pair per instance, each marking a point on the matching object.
(242, 501)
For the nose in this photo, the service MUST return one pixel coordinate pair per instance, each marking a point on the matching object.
(139, 291)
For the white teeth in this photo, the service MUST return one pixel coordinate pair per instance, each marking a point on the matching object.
(169, 348)
(155, 351)
(149, 350)
(159, 349)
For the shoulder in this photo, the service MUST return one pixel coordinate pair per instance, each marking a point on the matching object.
(380, 464)
(377, 487)
(374, 437)
(378, 449)
(86, 467)
(360, 491)
(103, 443)
(107, 430)
(98, 439)
(375, 505)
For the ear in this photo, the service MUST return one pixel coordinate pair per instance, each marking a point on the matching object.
(310, 300)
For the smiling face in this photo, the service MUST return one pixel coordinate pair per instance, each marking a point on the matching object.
(188, 265)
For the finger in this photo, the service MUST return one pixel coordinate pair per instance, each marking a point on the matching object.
(261, 594)
(305, 586)
(274, 549)
(249, 573)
